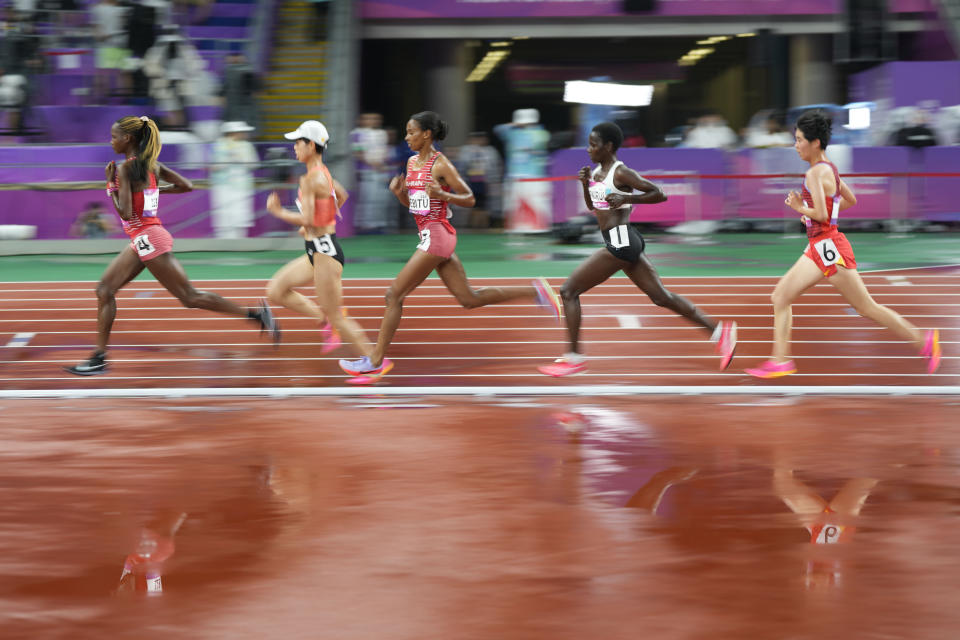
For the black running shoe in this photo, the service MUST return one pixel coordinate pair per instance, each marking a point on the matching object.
(96, 365)
(267, 321)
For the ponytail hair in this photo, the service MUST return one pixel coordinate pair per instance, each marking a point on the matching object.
(146, 137)
(430, 121)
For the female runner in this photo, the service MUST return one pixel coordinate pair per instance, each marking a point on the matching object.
(431, 183)
(134, 189)
(610, 191)
(828, 255)
(319, 200)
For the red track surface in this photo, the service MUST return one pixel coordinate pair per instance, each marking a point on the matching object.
(156, 343)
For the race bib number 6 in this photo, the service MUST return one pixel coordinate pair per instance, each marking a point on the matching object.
(827, 251)
(142, 244)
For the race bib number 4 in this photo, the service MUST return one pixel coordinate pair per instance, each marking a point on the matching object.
(142, 244)
(827, 251)
(419, 203)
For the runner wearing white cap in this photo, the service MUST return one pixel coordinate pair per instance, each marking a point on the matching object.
(318, 202)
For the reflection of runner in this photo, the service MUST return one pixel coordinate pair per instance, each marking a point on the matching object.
(648, 496)
(319, 200)
(143, 568)
(431, 183)
(134, 189)
(827, 522)
(610, 191)
(828, 254)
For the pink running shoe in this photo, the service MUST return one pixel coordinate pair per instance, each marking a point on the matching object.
(562, 367)
(330, 337)
(771, 369)
(370, 377)
(727, 344)
(931, 350)
(547, 297)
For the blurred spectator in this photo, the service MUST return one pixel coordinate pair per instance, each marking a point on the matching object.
(480, 165)
(526, 205)
(109, 31)
(141, 37)
(176, 73)
(239, 89)
(771, 135)
(19, 61)
(93, 222)
(396, 163)
(231, 181)
(916, 134)
(369, 144)
(711, 132)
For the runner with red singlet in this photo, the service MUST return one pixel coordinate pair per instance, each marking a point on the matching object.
(133, 189)
(431, 183)
(319, 200)
(828, 255)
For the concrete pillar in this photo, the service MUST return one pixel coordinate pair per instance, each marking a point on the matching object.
(813, 74)
(448, 92)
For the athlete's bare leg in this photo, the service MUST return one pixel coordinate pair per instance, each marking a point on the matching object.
(168, 272)
(124, 268)
(296, 273)
(645, 276)
(418, 267)
(802, 275)
(329, 288)
(850, 285)
(455, 278)
(594, 270)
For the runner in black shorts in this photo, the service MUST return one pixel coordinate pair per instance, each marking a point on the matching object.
(610, 190)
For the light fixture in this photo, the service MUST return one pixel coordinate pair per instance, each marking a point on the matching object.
(609, 93)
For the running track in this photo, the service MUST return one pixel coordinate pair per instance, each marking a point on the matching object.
(632, 345)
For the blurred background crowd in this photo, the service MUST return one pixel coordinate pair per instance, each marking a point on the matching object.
(700, 89)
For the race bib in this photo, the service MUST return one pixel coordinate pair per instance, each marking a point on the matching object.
(142, 244)
(619, 237)
(419, 203)
(424, 240)
(828, 534)
(827, 251)
(151, 202)
(325, 245)
(598, 195)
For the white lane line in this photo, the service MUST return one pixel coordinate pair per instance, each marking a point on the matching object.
(485, 391)
(20, 339)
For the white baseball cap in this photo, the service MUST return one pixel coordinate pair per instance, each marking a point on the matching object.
(526, 116)
(235, 126)
(311, 130)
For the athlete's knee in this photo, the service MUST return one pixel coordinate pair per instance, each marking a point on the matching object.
(662, 298)
(275, 293)
(469, 299)
(570, 292)
(780, 299)
(393, 298)
(191, 299)
(105, 292)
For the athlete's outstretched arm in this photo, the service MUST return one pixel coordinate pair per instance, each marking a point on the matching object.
(178, 184)
(650, 193)
(460, 193)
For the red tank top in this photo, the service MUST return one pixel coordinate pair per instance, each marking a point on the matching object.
(815, 227)
(424, 208)
(145, 206)
(324, 209)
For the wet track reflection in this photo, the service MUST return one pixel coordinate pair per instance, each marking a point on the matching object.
(491, 517)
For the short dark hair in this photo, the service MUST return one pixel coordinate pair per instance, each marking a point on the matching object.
(316, 145)
(609, 132)
(815, 125)
(430, 121)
